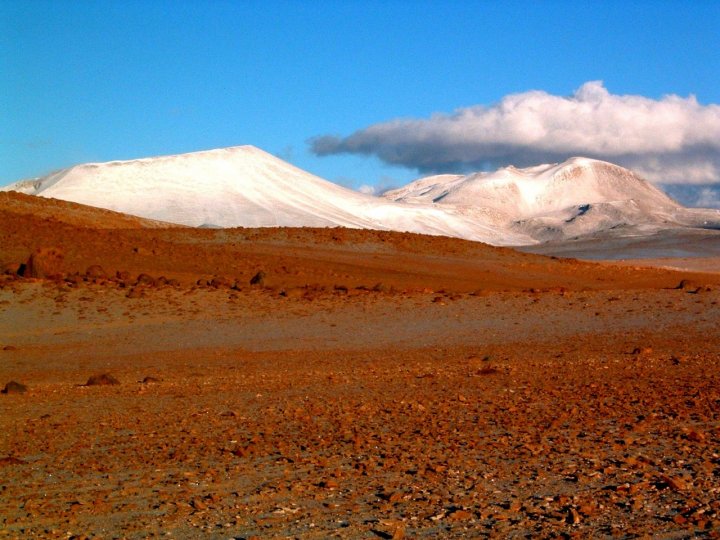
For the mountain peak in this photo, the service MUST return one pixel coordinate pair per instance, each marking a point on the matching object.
(246, 186)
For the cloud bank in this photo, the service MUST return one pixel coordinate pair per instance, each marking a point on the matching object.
(672, 140)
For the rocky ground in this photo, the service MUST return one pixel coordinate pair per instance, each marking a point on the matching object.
(370, 385)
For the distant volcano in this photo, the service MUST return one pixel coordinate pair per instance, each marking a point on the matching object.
(244, 186)
(549, 202)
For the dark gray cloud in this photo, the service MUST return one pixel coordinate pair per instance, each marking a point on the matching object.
(671, 140)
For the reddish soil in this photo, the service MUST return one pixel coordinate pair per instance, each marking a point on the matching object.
(374, 385)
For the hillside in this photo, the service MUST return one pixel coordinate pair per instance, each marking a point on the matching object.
(244, 186)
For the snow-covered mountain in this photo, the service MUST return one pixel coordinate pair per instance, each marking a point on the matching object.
(245, 186)
(578, 197)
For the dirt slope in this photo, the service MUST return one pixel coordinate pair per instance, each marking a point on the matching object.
(294, 257)
(478, 392)
(13, 203)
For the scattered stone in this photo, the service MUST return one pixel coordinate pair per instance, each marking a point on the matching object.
(135, 292)
(573, 517)
(199, 505)
(330, 484)
(695, 436)
(9, 348)
(95, 272)
(674, 482)
(258, 279)
(295, 292)
(222, 282)
(459, 515)
(10, 460)
(393, 496)
(101, 380)
(689, 286)
(44, 263)
(390, 529)
(13, 269)
(14, 387)
(145, 279)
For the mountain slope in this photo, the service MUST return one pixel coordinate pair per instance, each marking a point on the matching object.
(245, 186)
(535, 191)
(550, 202)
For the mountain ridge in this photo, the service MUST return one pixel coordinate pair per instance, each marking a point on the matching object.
(246, 186)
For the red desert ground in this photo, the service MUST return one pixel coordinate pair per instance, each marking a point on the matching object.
(329, 382)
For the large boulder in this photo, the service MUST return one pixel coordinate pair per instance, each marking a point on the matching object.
(103, 379)
(44, 263)
(14, 387)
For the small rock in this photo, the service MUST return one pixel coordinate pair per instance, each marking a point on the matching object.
(330, 484)
(222, 283)
(258, 279)
(459, 515)
(13, 269)
(101, 380)
(688, 286)
(695, 436)
(14, 387)
(10, 460)
(134, 293)
(150, 380)
(573, 517)
(95, 271)
(145, 279)
(674, 482)
(198, 504)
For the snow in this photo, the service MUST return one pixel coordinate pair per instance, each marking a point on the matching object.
(245, 186)
(535, 191)
(557, 201)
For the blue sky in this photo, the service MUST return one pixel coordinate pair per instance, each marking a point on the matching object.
(102, 80)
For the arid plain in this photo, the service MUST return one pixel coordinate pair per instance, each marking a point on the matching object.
(365, 385)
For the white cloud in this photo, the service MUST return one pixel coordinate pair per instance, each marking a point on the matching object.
(670, 140)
